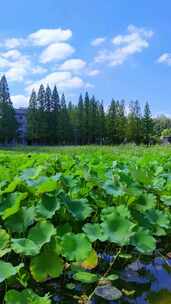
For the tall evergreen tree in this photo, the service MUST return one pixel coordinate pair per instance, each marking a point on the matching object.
(49, 123)
(55, 104)
(65, 126)
(80, 121)
(134, 129)
(121, 122)
(32, 119)
(112, 123)
(102, 124)
(87, 130)
(42, 123)
(8, 123)
(4, 90)
(148, 124)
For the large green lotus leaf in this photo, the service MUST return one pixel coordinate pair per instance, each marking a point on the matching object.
(93, 232)
(25, 247)
(20, 221)
(144, 241)
(166, 199)
(63, 229)
(4, 242)
(112, 189)
(11, 204)
(12, 186)
(46, 186)
(79, 209)
(27, 296)
(46, 264)
(7, 270)
(48, 205)
(76, 247)
(41, 233)
(117, 229)
(121, 210)
(160, 297)
(158, 218)
(146, 202)
(31, 173)
(86, 277)
(142, 176)
(108, 292)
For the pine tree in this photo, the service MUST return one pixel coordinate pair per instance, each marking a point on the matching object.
(134, 129)
(121, 122)
(112, 123)
(102, 124)
(147, 124)
(55, 104)
(42, 123)
(8, 123)
(80, 121)
(49, 123)
(65, 125)
(32, 119)
(86, 120)
(4, 91)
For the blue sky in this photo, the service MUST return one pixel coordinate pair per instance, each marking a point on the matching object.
(112, 48)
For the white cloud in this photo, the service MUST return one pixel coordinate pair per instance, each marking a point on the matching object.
(44, 37)
(19, 69)
(63, 80)
(165, 58)
(39, 70)
(4, 63)
(12, 54)
(98, 41)
(73, 65)
(134, 42)
(17, 66)
(56, 52)
(12, 43)
(41, 37)
(93, 72)
(19, 101)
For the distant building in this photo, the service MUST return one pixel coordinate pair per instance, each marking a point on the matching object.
(22, 125)
(166, 140)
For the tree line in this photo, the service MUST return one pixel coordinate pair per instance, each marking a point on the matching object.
(52, 121)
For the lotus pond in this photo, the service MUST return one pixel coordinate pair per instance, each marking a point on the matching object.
(85, 225)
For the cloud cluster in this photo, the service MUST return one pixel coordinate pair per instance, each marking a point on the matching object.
(64, 80)
(46, 51)
(165, 58)
(125, 46)
(47, 56)
(98, 41)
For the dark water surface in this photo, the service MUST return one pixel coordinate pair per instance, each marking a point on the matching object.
(140, 283)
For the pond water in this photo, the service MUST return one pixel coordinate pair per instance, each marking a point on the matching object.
(140, 283)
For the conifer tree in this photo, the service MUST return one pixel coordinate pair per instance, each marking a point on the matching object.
(8, 123)
(42, 123)
(32, 119)
(134, 129)
(49, 123)
(148, 124)
(55, 105)
(86, 119)
(112, 123)
(80, 121)
(102, 124)
(65, 125)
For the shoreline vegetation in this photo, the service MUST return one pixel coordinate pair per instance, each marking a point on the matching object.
(78, 223)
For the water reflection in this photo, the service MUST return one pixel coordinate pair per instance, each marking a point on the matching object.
(146, 283)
